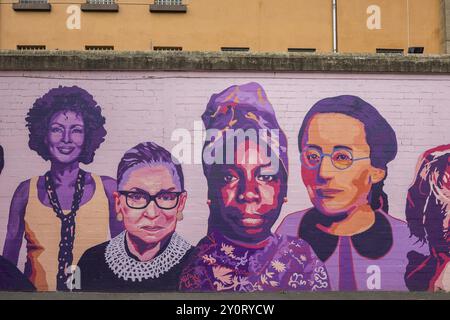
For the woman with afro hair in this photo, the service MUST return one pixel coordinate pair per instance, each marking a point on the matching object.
(66, 210)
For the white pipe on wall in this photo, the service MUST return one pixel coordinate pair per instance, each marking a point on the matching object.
(335, 49)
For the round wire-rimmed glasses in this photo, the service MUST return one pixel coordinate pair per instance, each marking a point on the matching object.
(140, 199)
(341, 158)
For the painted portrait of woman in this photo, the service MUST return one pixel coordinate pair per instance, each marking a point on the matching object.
(148, 255)
(66, 210)
(247, 187)
(428, 217)
(11, 279)
(345, 146)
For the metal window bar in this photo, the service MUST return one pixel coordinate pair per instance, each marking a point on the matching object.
(301, 49)
(99, 48)
(30, 47)
(33, 1)
(243, 49)
(389, 51)
(167, 48)
(169, 2)
(101, 1)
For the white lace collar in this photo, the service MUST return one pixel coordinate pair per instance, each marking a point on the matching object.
(127, 268)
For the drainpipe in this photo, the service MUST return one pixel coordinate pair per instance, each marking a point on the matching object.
(335, 49)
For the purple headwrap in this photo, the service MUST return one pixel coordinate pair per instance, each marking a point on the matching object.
(244, 107)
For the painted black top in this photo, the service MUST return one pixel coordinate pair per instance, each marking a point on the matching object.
(11, 279)
(325, 244)
(96, 276)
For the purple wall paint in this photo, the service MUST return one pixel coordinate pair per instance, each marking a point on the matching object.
(150, 106)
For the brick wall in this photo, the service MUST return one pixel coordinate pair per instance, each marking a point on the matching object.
(148, 106)
(146, 97)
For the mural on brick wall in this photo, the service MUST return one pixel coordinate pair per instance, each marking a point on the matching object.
(66, 210)
(90, 232)
(10, 277)
(428, 216)
(345, 146)
(239, 252)
(149, 255)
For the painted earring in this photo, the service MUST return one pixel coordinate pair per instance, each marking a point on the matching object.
(208, 202)
(241, 197)
(285, 199)
(119, 217)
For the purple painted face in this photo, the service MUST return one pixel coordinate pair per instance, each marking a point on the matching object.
(65, 136)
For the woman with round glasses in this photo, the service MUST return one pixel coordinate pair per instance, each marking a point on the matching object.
(345, 146)
(149, 255)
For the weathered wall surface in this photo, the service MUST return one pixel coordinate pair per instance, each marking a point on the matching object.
(142, 106)
(208, 25)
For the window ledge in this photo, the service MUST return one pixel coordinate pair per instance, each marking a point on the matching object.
(31, 6)
(181, 8)
(113, 7)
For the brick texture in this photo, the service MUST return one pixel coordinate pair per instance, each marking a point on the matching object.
(149, 106)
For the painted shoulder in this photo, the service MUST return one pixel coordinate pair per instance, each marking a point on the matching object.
(21, 194)
(403, 239)
(290, 224)
(109, 184)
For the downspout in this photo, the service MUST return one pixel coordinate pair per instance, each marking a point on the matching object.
(335, 48)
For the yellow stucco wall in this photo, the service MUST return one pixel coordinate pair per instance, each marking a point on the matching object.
(208, 25)
(404, 23)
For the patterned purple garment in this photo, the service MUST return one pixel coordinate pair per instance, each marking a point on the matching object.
(282, 264)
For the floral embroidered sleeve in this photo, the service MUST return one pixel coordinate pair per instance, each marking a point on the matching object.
(195, 276)
(308, 272)
(192, 279)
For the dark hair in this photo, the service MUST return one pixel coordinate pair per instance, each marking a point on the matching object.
(63, 99)
(149, 153)
(426, 204)
(2, 159)
(380, 136)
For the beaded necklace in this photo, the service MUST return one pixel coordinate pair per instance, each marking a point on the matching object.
(65, 255)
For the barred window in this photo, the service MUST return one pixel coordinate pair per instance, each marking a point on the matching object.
(101, 1)
(167, 48)
(243, 49)
(301, 49)
(33, 1)
(30, 47)
(169, 2)
(99, 48)
(386, 50)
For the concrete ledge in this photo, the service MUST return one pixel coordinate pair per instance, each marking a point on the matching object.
(227, 296)
(168, 8)
(32, 6)
(100, 7)
(221, 61)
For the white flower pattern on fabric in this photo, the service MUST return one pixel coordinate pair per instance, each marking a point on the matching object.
(127, 268)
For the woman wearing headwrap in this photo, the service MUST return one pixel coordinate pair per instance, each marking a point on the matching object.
(246, 166)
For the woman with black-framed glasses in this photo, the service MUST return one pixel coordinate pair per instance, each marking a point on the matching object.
(149, 255)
